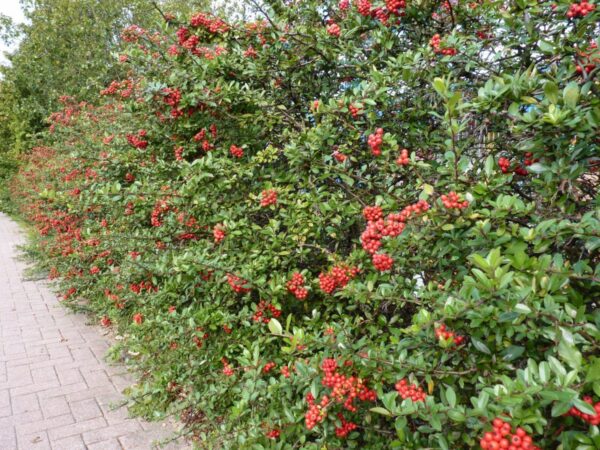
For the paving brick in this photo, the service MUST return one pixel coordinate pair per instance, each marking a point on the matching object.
(110, 444)
(85, 409)
(34, 441)
(24, 403)
(111, 431)
(55, 406)
(69, 443)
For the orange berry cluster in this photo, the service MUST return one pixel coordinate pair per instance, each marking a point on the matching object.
(403, 159)
(337, 277)
(412, 391)
(501, 438)
(442, 332)
(236, 152)
(580, 9)
(261, 310)
(452, 201)
(268, 197)
(375, 140)
(296, 286)
(218, 233)
(592, 420)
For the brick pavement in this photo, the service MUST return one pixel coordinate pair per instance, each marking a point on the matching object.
(56, 390)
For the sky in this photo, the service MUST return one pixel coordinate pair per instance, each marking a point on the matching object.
(12, 9)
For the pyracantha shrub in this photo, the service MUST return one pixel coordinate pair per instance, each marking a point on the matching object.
(449, 286)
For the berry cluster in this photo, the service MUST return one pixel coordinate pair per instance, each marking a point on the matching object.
(138, 318)
(355, 111)
(529, 159)
(346, 427)
(237, 284)
(285, 371)
(268, 367)
(337, 277)
(580, 9)
(137, 141)
(316, 412)
(250, 52)
(334, 29)
(392, 226)
(403, 159)
(227, 369)
(105, 321)
(236, 152)
(501, 437)
(339, 156)
(364, 8)
(382, 262)
(218, 233)
(412, 391)
(345, 389)
(394, 6)
(592, 420)
(375, 140)
(172, 97)
(442, 333)
(372, 213)
(273, 434)
(452, 201)
(435, 43)
(129, 177)
(268, 197)
(504, 164)
(178, 152)
(160, 208)
(296, 286)
(213, 25)
(344, 5)
(142, 286)
(261, 310)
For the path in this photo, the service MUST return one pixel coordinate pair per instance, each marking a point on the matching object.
(55, 388)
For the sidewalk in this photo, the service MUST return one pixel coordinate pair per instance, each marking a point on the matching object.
(55, 387)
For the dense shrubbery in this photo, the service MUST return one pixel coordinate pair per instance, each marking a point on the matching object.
(351, 226)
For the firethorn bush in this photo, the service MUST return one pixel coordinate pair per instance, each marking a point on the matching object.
(358, 225)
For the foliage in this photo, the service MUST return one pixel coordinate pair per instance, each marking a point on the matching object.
(241, 209)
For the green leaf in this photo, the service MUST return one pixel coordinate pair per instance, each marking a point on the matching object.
(479, 345)
(584, 407)
(512, 352)
(571, 94)
(451, 397)
(569, 354)
(275, 327)
(380, 410)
